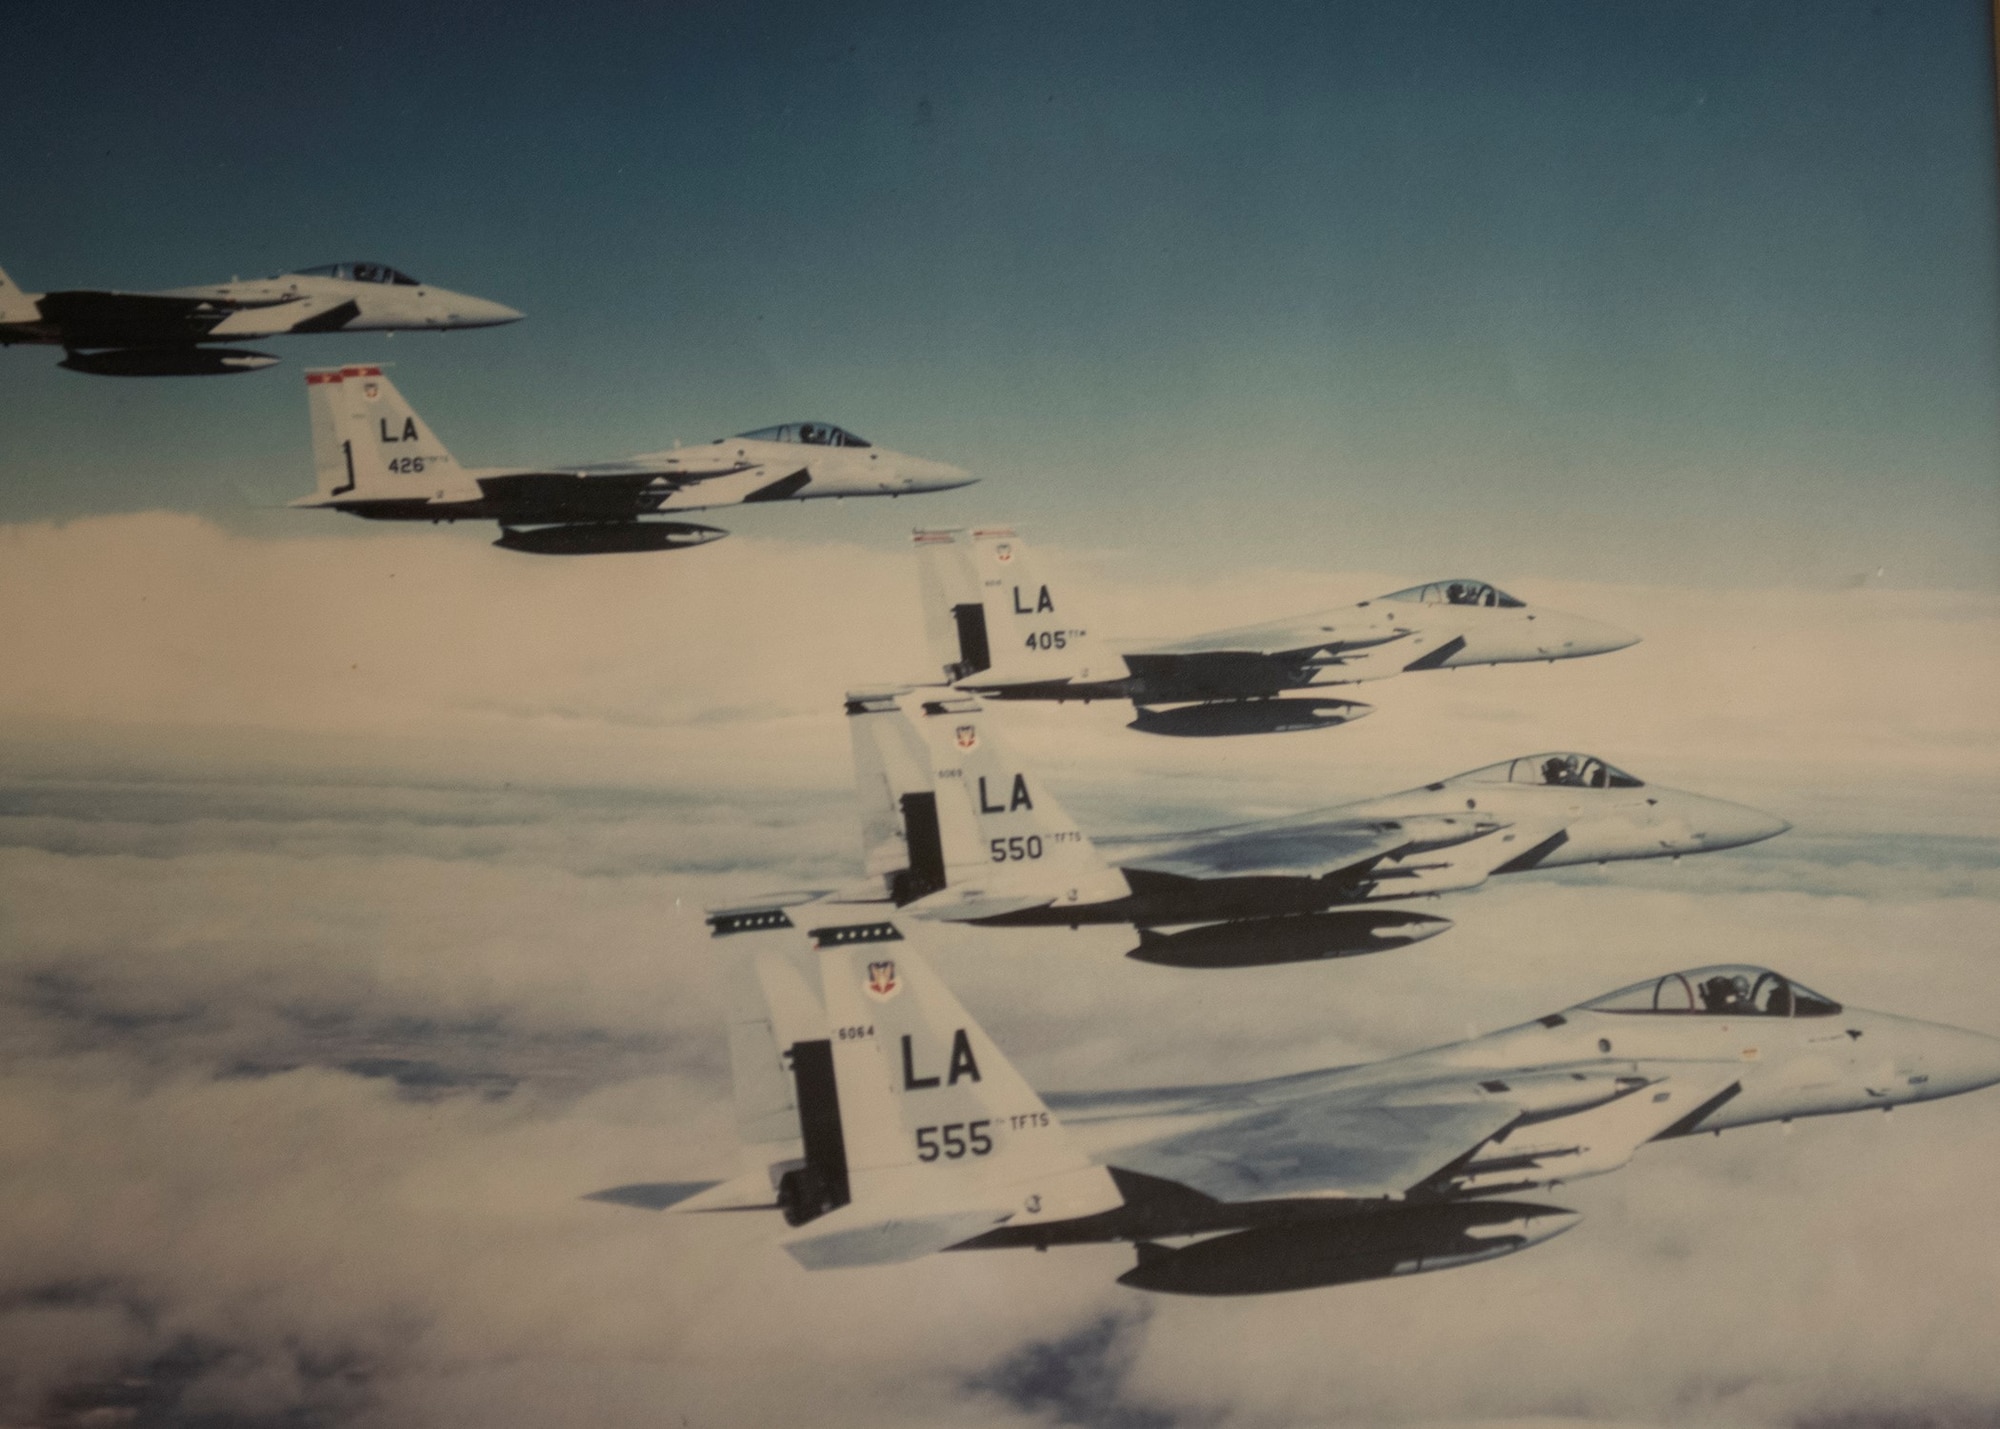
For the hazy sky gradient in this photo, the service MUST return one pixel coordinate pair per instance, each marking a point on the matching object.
(1343, 284)
(350, 877)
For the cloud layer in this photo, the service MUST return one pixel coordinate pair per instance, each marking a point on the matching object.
(349, 934)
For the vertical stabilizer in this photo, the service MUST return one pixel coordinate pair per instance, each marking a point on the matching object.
(771, 1003)
(892, 782)
(1035, 631)
(370, 445)
(942, 1138)
(954, 614)
(15, 305)
(1007, 843)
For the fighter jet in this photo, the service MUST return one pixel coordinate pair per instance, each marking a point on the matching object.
(957, 828)
(1000, 630)
(883, 1124)
(376, 458)
(173, 333)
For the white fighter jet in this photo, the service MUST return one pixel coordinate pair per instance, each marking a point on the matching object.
(883, 1123)
(376, 458)
(174, 333)
(956, 827)
(1001, 630)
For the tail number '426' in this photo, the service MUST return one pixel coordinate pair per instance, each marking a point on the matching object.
(953, 1140)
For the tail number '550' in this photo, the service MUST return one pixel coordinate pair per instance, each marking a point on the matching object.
(953, 1140)
(1015, 849)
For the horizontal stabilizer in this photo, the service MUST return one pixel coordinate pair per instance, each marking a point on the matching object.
(969, 905)
(768, 903)
(861, 1235)
(653, 1195)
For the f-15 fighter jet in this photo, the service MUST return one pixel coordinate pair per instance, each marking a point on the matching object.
(376, 458)
(174, 333)
(882, 1123)
(956, 827)
(998, 628)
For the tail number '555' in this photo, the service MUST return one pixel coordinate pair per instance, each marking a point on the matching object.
(953, 1140)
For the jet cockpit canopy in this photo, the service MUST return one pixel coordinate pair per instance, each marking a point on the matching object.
(358, 273)
(1725, 990)
(1456, 592)
(812, 434)
(1576, 771)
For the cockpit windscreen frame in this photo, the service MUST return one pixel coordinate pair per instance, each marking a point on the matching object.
(1459, 591)
(361, 272)
(812, 434)
(1721, 990)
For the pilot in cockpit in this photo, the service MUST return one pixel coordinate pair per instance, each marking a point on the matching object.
(1724, 993)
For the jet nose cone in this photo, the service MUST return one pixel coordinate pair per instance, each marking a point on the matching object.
(936, 476)
(464, 310)
(1717, 823)
(1960, 1061)
(1613, 638)
(1594, 637)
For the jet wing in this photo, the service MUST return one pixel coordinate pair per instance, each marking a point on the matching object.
(96, 318)
(318, 312)
(1333, 646)
(670, 471)
(583, 494)
(1319, 1147)
(1441, 1139)
(1397, 857)
(1595, 1138)
(1303, 635)
(1307, 847)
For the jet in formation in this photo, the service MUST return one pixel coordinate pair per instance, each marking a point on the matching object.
(376, 458)
(957, 828)
(176, 333)
(883, 1124)
(1000, 630)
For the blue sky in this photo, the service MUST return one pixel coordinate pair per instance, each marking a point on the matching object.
(350, 874)
(1679, 291)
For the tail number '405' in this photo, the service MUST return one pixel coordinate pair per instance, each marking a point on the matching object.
(953, 1140)
(1015, 849)
(1052, 639)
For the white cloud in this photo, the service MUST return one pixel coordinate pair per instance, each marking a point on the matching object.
(260, 856)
